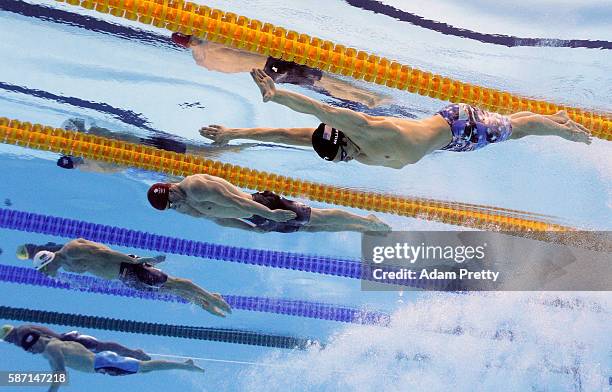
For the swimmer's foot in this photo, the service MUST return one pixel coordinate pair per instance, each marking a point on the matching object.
(211, 309)
(191, 366)
(140, 355)
(560, 117)
(376, 224)
(569, 129)
(220, 303)
(213, 306)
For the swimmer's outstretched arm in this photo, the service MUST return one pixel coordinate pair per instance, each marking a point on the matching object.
(294, 136)
(340, 118)
(54, 355)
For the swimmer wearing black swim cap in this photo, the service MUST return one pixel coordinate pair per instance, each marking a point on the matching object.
(395, 142)
(63, 354)
(333, 145)
(69, 162)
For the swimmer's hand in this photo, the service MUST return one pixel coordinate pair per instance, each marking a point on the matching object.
(217, 133)
(157, 259)
(191, 366)
(282, 215)
(214, 304)
(265, 84)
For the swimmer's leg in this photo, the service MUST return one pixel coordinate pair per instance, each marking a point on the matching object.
(188, 290)
(520, 114)
(333, 228)
(96, 346)
(559, 124)
(122, 350)
(340, 220)
(346, 91)
(157, 365)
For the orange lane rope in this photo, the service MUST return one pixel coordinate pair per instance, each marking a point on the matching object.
(264, 38)
(135, 155)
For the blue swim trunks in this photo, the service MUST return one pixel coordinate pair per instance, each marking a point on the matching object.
(113, 364)
(473, 128)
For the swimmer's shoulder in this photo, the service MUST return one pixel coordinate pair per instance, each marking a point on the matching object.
(78, 246)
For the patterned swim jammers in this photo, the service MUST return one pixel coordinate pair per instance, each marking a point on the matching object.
(473, 128)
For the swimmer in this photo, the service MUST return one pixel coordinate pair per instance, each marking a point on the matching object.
(66, 354)
(18, 335)
(27, 251)
(82, 256)
(206, 196)
(158, 141)
(71, 162)
(217, 57)
(346, 135)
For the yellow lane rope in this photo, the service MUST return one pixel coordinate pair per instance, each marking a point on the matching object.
(135, 155)
(264, 38)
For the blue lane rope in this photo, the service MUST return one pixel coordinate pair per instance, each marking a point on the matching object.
(179, 331)
(317, 310)
(71, 228)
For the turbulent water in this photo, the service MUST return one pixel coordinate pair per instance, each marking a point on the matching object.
(503, 341)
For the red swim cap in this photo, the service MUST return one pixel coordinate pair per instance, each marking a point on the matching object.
(181, 39)
(159, 195)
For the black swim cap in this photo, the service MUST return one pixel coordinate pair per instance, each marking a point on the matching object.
(65, 162)
(29, 339)
(326, 141)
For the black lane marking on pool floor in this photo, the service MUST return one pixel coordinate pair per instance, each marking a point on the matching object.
(125, 116)
(497, 39)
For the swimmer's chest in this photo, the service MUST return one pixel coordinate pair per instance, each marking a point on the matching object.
(98, 267)
(388, 151)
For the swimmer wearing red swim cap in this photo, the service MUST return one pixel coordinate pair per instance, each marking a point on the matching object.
(206, 196)
(159, 196)
(220, 58)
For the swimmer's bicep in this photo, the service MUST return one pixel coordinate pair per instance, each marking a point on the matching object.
(341, 118)
(293, 136)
